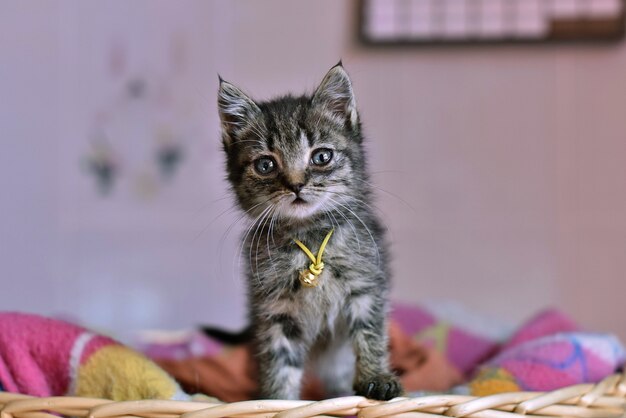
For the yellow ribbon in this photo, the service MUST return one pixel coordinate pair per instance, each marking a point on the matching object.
(309, 277)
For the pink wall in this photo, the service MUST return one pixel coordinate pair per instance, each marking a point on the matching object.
(511, 159)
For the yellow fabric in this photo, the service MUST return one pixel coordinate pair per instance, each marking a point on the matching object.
(119, 373)
(492, 381)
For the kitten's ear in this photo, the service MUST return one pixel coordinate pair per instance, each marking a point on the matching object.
(235, 109)
(335, 94)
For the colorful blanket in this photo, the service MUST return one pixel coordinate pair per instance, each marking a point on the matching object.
(547, 353)
(432, 348)
(45, 357)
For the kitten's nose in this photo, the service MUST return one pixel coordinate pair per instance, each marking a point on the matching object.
(296, 187)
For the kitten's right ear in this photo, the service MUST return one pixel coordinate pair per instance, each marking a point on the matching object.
(335, 95)
(235, 110)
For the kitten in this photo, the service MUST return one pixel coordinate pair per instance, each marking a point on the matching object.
(298, 169)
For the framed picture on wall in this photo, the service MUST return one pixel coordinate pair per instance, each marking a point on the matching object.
(427, 22)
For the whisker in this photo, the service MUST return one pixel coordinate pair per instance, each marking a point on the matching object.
(202, 207)
(331, 218)
(351, 225)
(364, 225)
(271, 232)
(245, 238)
(229, 229)
(360, 202)
(389, 171)
(258, 242)
(230, 209)
(367, 205)
(274, 196)
(389, 193)
(356, 199)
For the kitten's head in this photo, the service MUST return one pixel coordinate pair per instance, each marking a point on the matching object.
(295, 157)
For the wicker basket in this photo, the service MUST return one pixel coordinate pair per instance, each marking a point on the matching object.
(606, 399)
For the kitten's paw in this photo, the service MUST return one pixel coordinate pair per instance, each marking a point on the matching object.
(382, 387)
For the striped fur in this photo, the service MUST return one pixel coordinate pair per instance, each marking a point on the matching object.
(339, 328)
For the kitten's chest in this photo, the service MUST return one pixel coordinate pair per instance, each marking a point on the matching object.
(322, 306)
(350, 268)
(346, 264)
(294, 270)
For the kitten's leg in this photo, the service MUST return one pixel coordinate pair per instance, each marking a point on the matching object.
(281, 357)
(368, 329)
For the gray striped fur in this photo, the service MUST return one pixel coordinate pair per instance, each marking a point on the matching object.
(338, 329)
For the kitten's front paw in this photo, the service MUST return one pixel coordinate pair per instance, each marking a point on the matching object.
(382, 387)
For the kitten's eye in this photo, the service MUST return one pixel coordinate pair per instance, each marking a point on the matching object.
(322, 156)
(264, 165)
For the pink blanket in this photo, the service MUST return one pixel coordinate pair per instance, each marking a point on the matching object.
(549, 352)
(46, 357)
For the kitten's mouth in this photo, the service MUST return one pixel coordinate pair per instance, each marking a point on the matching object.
(299, 201)
(300, 208)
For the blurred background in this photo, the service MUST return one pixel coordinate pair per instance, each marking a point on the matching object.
(499, 168)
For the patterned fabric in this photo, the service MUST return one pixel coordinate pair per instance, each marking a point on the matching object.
(464, 338)
(45, 357)
(547, 352)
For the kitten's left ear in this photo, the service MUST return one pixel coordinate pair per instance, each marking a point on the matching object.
(236, 110)
(335, 94)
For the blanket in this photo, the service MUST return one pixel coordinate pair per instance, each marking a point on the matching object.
(229, 372)
(46, 357)
(430, 350)
(547, 353)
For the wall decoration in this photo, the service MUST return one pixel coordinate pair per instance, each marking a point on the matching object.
(385, 22)
(102, 163)
(169, 154)
(144, 123)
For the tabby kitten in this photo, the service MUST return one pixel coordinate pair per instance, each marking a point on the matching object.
(297, 168)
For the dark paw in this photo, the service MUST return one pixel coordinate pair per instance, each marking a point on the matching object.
(382, 387)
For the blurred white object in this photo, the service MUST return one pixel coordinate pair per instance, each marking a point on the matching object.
(421, 19)
(530, 19)
(455, 19)
(492, 24)
(565, 9)
(603, 8)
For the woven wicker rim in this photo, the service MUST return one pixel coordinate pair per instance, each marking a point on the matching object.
(606, 399)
